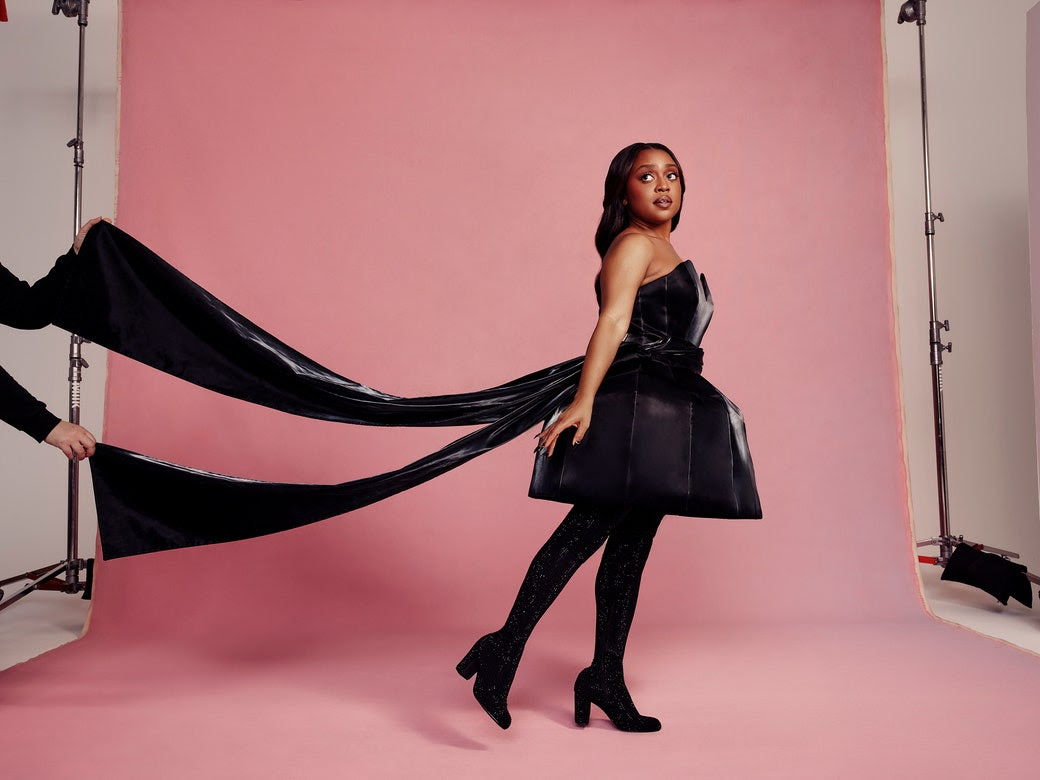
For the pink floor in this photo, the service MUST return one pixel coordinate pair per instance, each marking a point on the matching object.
(848, 700)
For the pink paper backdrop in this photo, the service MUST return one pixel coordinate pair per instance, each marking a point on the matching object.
(407, 192)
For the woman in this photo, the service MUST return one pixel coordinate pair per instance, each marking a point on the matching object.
(642, 201)
(664, 441)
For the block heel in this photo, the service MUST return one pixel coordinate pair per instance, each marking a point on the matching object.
(608, 692)
(582, 709)
(468, 666)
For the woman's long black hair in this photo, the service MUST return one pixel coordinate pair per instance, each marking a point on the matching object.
(615, 213)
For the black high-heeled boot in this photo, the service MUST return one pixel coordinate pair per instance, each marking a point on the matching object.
(495, 669)
(607, 690)
(617, 589)
(495, 657)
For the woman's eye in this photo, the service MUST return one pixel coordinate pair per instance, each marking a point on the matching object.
(673, 176)
(646, 177)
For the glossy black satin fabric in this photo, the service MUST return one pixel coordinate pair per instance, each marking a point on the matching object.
(123, 296)
(662, 436)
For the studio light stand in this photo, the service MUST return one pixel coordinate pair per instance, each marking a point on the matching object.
(50, 577)
(914, 11)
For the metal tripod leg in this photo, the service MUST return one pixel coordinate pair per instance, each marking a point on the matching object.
(48, 578)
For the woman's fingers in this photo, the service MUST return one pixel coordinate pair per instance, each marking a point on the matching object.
(547, 438)
(576, 416)
(559, 427)
(552, 440)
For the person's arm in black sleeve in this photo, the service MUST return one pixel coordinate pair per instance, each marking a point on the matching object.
(24, 305)
(29, 306)
(21, 410)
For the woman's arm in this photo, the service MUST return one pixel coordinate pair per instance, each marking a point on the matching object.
(624, 269)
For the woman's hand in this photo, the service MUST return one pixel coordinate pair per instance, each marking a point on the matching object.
(82, 234)
(74, 440)
(578, 415)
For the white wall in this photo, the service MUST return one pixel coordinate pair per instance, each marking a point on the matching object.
(976, 66)
(38, 57)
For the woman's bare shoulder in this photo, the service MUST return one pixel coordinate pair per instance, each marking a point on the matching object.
(630, 251)
(633, 244)
(627, 262)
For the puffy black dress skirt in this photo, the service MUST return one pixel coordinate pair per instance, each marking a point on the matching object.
(661, 436)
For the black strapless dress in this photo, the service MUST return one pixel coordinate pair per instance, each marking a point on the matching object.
(661, 435)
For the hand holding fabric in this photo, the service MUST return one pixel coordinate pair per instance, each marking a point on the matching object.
(82, 234)
(74, 440)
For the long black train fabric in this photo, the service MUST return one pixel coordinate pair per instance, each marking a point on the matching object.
(123, 296)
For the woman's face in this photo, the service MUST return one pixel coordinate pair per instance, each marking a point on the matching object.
(653, 194)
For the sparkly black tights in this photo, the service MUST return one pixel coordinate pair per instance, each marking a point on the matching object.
(629, 534)
(617, 585)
